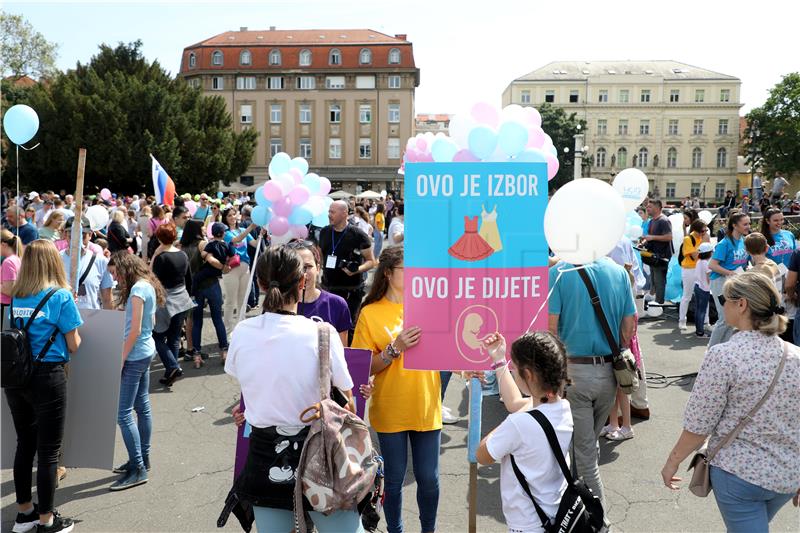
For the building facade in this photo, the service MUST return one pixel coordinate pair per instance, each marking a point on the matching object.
(342, 99)
(678, 123)
(433, 123)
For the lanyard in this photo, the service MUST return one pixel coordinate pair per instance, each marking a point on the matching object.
(334, 244)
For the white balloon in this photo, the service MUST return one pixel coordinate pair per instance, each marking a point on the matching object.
(513, 113)
(98, 217)
(278, 240)
(633, 232)
(706, 216)
(584, 221)
(632, 185)
(459, 128)
(676, 219)
(316, 205)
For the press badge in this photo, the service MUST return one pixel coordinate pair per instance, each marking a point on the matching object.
(330, 262)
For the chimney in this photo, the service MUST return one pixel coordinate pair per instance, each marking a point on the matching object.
(401, 36)
(272, 28)
(242, 28)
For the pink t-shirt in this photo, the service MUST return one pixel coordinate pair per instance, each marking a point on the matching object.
(8, 272)
(61, 245)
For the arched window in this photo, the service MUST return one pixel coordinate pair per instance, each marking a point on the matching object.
(697, 157)
(394, 56)
(305, 58)
(216, 58)
(335, 57)
(192, 60)
(622, 157)
(600, 158)
(672, 158)
(245, 58)
(722, 158)
(365, 57)
(642, 162)
(275, 57)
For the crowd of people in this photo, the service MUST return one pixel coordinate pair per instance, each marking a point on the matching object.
(161, 265)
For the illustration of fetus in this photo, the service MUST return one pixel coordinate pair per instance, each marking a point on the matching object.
(471, 331)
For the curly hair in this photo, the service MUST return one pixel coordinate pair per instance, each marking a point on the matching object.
(544, 356)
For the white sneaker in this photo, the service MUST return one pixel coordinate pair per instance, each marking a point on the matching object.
(622, 433)
(608, 430)
(447, 416)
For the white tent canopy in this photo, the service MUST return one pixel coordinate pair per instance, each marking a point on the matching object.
(340, 195)
(369, 195)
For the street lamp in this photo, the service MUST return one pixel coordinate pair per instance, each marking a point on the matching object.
(755, 133)
(579, 151)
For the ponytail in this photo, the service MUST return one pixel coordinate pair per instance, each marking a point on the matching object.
(279, 270)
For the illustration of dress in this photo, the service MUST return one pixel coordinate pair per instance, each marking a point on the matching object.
(489, 230)
(471, 246)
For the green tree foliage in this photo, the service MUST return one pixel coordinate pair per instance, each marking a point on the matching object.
(562, 128)
(23, 50)
(122, 108)
(779, 126)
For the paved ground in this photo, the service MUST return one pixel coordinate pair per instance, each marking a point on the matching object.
(193, 462)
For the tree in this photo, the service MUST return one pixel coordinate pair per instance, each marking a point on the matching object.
(562, 128)
(122, 108)
(23, 50)
(778, 123)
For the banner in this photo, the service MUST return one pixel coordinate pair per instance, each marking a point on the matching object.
(475, 258)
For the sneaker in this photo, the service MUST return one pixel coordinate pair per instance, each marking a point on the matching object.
(703, 335)
(132, 479)
(607, 430)
(622, 433)
(172, 377)
(59, 525)
(682, 325)
(447, 416)
(123, 468)
(26, 522)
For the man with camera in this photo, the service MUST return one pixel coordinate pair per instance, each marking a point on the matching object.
(658, 241)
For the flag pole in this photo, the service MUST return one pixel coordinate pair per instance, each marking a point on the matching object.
(76, 240)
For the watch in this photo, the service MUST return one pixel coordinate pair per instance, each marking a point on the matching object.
(392, 351)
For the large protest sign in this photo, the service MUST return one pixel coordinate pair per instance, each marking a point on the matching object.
(475, 258)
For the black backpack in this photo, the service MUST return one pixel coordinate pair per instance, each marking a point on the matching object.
(17, 357)
(580, 511)
(680, 250)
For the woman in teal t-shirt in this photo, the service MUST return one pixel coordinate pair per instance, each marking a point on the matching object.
(781, 242)
(729, 255)
(141, 293)
(236, 276)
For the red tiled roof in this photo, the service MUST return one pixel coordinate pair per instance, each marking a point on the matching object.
(435, 118)
(22, 81)
(301, 38)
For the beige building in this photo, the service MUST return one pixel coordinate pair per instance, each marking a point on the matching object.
(342, 99)
(676, 122)
(433, 123)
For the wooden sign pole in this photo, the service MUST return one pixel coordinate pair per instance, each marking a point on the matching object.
(76, 241)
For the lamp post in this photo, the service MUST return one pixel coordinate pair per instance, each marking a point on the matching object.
(577, 167)
(755, 133)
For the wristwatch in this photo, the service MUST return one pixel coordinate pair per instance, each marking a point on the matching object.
(393, 352)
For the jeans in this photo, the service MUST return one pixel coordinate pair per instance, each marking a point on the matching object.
(445, 376)
(688, 278)
(591, 397)
(214, 296)
(39, 411)
(377, 236)
(425, 457)
(722, 331)
(269, 520)
(168, 343)
(700, 307)
(235, 284)
(659, 279)
(134, 395)
(745, 507)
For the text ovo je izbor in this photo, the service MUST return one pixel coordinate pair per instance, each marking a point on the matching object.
(476, 185)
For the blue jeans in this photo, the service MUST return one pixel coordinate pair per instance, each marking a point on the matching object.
(168, 343)
(425, 457)
(269, 520)
(445, 376)
(701, 298)
(213, 295)
(745, 508)
(377, 236)
(134, 395)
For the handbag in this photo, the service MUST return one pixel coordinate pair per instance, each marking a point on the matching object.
(700, 484)
(622, 361)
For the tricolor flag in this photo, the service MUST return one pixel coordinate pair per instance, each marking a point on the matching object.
(162, 184)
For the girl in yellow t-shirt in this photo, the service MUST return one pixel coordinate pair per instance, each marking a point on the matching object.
(406, 405)
(698, 233)
(380, 226)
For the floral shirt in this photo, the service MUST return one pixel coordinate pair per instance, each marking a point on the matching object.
(732, 379)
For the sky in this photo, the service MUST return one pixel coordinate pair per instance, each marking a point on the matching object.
(467, 50)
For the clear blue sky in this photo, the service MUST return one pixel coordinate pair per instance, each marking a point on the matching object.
(467, 50)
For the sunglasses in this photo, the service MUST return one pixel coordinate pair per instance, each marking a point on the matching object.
(722, 299)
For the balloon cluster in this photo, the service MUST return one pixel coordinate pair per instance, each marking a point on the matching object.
(487, 133)
(291, 199)
(20, 123)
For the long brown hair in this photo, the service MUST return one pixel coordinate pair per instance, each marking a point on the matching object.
(732, 221)
(279, 270)
(130, 269)
(40, 269)
(391, 258)
(765, 229)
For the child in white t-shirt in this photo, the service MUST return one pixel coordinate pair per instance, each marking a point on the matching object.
(541, 372)
(702, 288)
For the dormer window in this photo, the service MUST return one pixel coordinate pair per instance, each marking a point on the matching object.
(192, 60)
(305, 58)
(216, 58)
(365, 57)
(275, 57)
(394, 56)
(335, 57)
(245, 58)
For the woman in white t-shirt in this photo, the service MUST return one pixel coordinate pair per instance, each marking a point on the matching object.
(541, 372)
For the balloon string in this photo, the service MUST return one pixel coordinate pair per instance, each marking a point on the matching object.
(242, 309)
(561, 272)
(35, 146)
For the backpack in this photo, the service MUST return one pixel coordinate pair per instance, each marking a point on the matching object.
(17, 358)
(680, 250)
(580, 511)
(337, 466)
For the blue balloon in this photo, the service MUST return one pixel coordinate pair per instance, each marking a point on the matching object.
(261, 215)
(220, 195)
(553, 150)
(313, 183)
(482, 141)
(531, 155)
(512, 138)
(300, 216)
(279, 164)
(20, 123)
(321, 220)
(443, 150)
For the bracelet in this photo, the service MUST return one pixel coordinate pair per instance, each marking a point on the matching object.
(393, 352)
(499, 364)
(386, 360)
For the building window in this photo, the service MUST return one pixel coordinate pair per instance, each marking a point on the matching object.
(217, 83)
(305, 114)
(624, 96)
(365, 114)
(275, 112)
(600, 158)
(335, 57)
(622, 157)
(335, 112)
(670, 190)
(722, 158)
(573, 96)
(393, 149)
(697, 157)
(275, 57)
(306, 82)
(622, 128)
(602, 126)
(334, 82)
(644, 127)
(275, 82)
(192, 60)
(725, 95)
(644, 97)
(394, 113)
(335, 148)
(394, 82)
(700, 96)
(602, 96)
(365, 82)
(697, 129)
(305, 58)
(365, 57)
(216, 58)
(245, 83)
(675, 96)
(723, 126)
(364, 148)
(194, 83)
(672, 158)
(245, 58)
(246, 113)
(694, 190)
(394, 56)
(642, 162)
(719, 191)
(672, 127)
(525, 97)
(305, 148)
(275, 147)
(549, 96)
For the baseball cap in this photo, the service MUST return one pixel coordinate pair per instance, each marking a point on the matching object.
(705, 247)
(218, 229)
(86, 227)
(32, 195)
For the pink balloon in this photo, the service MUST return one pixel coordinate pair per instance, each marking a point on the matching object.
(208, 230)
(297, 175)
(324, 186)
(299, 195)
(535, 137)
(412, 155)
(279, 225)
(532, 116)
(552, 166)
(299, 232)
(272, 191)
(426, 158)
(464, 156)
(191, 205)
(422, 143)
(283, 207)
(105, 194)
(485, 113)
